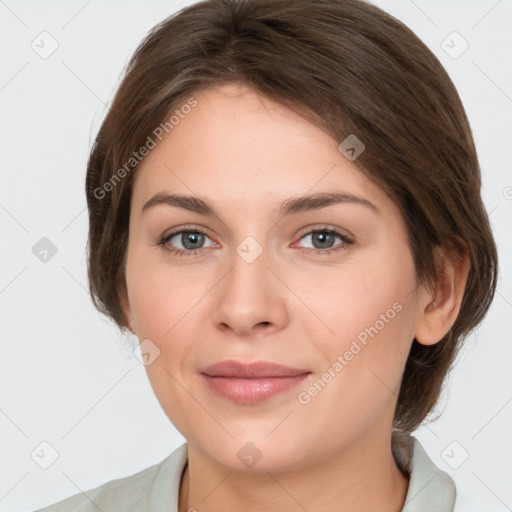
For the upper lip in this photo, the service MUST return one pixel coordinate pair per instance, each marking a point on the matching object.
(258, 369)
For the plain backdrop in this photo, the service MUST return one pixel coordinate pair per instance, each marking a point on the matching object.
(67, 378)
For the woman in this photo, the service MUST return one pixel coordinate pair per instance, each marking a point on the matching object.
(284, 206)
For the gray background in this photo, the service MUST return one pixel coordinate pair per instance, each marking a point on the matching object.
(67, 377)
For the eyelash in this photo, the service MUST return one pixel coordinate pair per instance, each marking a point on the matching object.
(194, 252)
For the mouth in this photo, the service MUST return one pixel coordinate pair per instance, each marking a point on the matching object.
(251, 383)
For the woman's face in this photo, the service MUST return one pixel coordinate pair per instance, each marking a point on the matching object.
(261, 287)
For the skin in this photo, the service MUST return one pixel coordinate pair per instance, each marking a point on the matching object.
(292, 305)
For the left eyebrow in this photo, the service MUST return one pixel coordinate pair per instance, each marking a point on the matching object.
(291, 206)
(323, 199)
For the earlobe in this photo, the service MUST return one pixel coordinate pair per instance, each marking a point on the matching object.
(442, 306)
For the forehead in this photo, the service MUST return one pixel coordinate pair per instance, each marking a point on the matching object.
(237, 145)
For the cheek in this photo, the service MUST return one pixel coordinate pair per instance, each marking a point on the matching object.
(162, 308)
(367, 319)
(366, 301)
(363, 361)
(159, 296)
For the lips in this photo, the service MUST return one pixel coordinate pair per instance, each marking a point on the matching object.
(255, 370)
(251, 383)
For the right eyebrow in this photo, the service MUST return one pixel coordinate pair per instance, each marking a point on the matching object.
(190, 203)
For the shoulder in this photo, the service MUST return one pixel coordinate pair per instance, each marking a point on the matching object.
(157, 484)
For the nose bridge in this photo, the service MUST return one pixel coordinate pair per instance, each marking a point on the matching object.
(247, 283)
(250, 294)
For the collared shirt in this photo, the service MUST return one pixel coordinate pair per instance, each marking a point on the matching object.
(156, 489)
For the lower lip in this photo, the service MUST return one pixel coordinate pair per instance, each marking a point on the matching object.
(251, 391)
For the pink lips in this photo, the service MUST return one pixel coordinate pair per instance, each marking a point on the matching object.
(251, 383)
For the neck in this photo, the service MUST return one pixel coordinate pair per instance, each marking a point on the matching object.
(360, 476)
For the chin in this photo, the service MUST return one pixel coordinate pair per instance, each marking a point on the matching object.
(256, 452)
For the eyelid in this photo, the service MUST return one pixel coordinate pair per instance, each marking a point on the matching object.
(188, 227)
(324, 227)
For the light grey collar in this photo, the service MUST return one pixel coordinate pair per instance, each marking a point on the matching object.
(430, 489)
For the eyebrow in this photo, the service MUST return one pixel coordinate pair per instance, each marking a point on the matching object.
(291, 206)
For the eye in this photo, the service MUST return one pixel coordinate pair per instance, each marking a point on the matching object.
(323, 240)
(191, 242)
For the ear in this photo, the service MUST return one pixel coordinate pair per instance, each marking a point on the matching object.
(441, 306)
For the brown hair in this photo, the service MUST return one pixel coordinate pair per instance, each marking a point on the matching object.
(348, 67)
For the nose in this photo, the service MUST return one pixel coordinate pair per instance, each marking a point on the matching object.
(250, 298)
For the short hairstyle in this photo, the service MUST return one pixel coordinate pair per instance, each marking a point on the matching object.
(349, 68)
